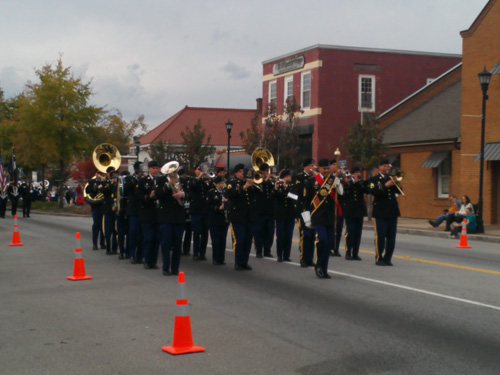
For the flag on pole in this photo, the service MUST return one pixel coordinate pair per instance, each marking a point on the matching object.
(13, 167)
(3, 178)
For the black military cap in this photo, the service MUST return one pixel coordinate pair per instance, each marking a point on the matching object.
(218, 170)
(182, 171)
(356, 169)
(324, 163)
(307, 162)
(137, 164)
(238, 167)
(383, 161)
(263, 167)
(218, 179)
(153, 163)
(284, 173)
(110, 169)
(125, 173)
(332, 161)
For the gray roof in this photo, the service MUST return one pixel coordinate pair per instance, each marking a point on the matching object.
(437, 119)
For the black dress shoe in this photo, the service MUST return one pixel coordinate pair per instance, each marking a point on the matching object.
(356, 257)
(154, 267)
(239, 267)
(380, 263)
(175, 273)
(95, 248)
(303, 263)
(319, 272)
(147, 266)
(311, 264)
(184, 254)
(287, 260)
(196, 257)
(388, 263)
(259, 256)
(326, 275)
(109, 252)
(203, 257)
(166, 273)
(269, 255)
(336, 254)
(280, 259)
(348, 257)
(247, 267)
(121, 256)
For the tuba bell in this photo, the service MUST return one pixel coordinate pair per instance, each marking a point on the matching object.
(105, 155)
(259, 156)
(170, 171)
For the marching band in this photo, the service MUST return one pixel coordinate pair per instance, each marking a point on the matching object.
(140, 214)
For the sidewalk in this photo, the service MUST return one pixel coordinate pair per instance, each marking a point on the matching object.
(423, 228)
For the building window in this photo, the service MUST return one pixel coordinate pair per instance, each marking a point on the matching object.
(272, 94)
(366, 94)
(288, 89)
(305, 93)
(444, 172)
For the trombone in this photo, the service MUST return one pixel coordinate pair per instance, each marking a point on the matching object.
(396, 175)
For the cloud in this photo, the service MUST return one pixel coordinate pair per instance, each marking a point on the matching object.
(236, 72)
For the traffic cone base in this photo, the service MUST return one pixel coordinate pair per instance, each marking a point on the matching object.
(463, 237)
(183, 338)
(16, 239)
(78, 264)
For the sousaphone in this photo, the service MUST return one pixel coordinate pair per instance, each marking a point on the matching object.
(104, 156)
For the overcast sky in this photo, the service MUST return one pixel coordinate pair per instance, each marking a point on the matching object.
(154, 57)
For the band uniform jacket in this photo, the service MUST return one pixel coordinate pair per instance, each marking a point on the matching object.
(147, 211)
(265, 198)
(92, 189)
(285, 207)
(130, 192)
(198, 189)
(385, 203)
(353, 204)
(185, 183)
(299, 182)
(169, 211)
(216, 216)
(325, 214)
(242, 203)
(108, 190)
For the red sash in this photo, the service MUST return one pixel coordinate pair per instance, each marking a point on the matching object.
(333, 193)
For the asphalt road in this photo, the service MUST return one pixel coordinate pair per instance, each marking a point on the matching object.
(437, 311)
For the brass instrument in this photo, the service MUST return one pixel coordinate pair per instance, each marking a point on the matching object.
(259, 156)
(170, 171)
(397, 175)
(205, 168)
(105, 155)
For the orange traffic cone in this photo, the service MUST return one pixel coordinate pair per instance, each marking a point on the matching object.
(183, 338)
(16, 239)
(463, 236)
(78, 265)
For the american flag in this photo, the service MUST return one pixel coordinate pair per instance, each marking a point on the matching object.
(12, 167)
(3, 178)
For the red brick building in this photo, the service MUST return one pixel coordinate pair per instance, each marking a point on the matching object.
(335, 85)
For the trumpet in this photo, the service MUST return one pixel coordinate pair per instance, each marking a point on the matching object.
(396, 175)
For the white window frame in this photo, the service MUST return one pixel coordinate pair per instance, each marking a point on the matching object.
(360, 101)
(286, 94)
(440, 176)
(302, 104)
(272, 99)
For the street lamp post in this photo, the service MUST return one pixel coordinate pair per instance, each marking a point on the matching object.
(484, 80)
(229, 127)
(137, 147)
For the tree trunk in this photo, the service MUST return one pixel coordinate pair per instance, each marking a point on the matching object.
(61, 183)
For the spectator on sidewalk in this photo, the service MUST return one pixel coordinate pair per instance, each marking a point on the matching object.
(460, 215)
(470, 220)
(455, 206)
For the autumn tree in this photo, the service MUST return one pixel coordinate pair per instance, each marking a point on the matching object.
(54, 120)
(163, 152)
(252, 137)
(196, 148)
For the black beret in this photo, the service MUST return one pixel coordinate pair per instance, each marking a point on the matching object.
(238, 167)
(284, 173)
(181, 171)
(332, 161)
(263, 167)
(356, 169)
(307, 162)
(218, 170)
(324, 163)
(125, 173)
(218, 179)
(110, 169)
(137, 164)
(153, 163)
(384, 161)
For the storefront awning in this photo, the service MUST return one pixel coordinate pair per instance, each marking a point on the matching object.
(435, 159)
(491, 152)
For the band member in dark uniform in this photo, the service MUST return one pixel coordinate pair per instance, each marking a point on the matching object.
(92, 189)
(26, 190)
(122, 218)
(354, 210)
(217, 221)
(306, 235)
(109, 209)
(198, 207)
(264, 228)
(188, 231)
(339, 218)
(171, 218)
(131, 193)
(285, 216)
(3, 200)
(242, 214)
(321, 193)
(385, 213)
(148, 215)
(14, 195)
